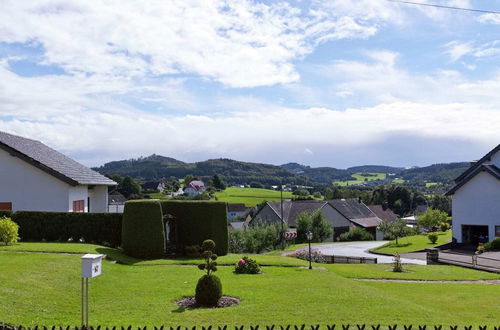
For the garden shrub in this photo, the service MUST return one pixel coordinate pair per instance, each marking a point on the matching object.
(397, 266)
(8, 231)
(256, 239)
(433, 237)
(97, 228)
(316, 256)
(246, 265)
(198, 221)
(356, 234)
(493, 245)
(209, 287)
(143, 233)
(4, 213)
(192, 250)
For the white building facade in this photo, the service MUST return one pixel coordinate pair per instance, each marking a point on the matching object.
(34, 177)
(476, 201)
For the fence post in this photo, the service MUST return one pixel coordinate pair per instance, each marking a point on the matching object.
(474, 260)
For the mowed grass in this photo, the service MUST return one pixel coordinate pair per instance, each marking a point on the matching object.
(431, 184)
(250, 196)
(44, 289)
(412, 272)
(360, 178)
(413, 243)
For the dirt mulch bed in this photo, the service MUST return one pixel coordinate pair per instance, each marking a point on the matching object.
(225, 301)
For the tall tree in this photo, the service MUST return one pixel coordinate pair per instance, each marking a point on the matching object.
(218, 183)
(129, 187)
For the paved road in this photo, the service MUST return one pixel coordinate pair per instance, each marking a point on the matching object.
(361, 249)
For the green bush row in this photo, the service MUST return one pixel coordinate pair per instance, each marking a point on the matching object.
(97, 228)
(356, 234)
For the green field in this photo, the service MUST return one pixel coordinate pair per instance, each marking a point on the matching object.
(360, 178)
(250, 196)
(431, 184)
(398, 181)
(44, 289)
(413, 243)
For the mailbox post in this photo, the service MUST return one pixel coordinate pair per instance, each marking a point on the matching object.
(91, 267)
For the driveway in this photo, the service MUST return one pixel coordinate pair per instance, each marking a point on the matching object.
(361, 249)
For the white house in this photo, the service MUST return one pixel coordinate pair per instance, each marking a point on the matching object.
(34, 177)
(194, 188)
(476, 201)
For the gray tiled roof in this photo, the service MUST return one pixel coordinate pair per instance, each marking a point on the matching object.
(51, 161)
(352, 208)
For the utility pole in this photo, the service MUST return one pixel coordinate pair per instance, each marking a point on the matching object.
(282, 222)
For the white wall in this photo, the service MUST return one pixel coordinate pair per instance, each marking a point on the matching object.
(98, 199)
(29, 188)
(477, 203)
(76, 194)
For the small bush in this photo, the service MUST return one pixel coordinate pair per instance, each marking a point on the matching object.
(433, 237)
(8, 231)
(444, 226)
(246, 266)
(493, 245)
(356, 234)
(209, 288)
(192, 250)
(397, 266)
(316, 256)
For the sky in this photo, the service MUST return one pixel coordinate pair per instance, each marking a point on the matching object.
(323, 83)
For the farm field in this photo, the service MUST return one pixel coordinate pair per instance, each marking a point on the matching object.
(360, 178)
(144, 295)
(413, 243)
(250, 196)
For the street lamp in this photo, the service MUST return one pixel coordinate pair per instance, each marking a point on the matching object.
(309, 238)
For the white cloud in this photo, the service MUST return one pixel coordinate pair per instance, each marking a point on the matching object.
(381, 80)
(489, 19)
(238, 43)
(456, 49)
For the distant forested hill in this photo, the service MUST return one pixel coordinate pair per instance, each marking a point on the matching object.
(237, 172)
(444, 173)
(375, 169)
(234, 172)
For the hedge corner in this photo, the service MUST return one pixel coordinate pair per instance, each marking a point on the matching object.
(143, 233)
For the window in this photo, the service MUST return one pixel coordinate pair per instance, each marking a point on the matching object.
(497, 231)
(5, 206)
(79, 206)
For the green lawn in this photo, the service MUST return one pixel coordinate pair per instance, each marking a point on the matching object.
(413, 243)
(360, 178)
(44, 288)
(250, 196)
(412, 272)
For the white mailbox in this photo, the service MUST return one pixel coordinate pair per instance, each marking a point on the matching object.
(92, 265)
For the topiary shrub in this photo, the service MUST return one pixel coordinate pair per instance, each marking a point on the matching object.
(8, 231)
(356, 234)
(209, 287)
(198, 221)
(246, 265)
(433, 237)
(143, 233)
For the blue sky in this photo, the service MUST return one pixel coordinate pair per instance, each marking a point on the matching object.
(324, 83)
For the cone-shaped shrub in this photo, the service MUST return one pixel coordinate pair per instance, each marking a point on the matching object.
(209, 287)
(143, 233)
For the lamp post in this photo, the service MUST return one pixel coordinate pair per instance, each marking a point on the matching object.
(309, 238)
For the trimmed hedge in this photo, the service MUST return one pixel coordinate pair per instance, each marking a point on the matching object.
(97, 228)
(199, 221)
(143, 233)
(7, 214)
